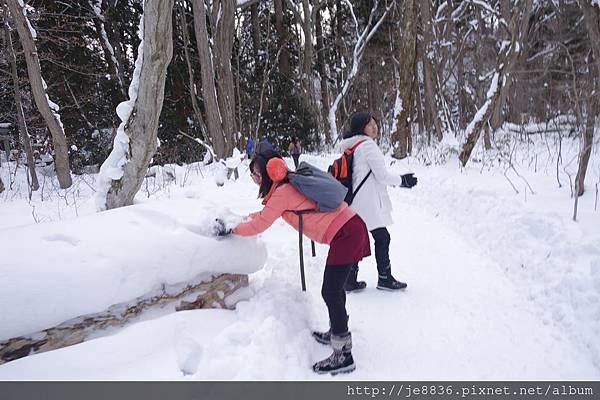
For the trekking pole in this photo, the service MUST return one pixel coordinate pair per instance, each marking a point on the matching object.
(312, 246)
(301, 252)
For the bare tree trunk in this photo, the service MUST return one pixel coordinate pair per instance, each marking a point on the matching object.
(592, 21)
(191, 78)
(282, 39)
(109, 52)
(506, 62)
(255, 29)
(407, 57)
(142, 124)
(428, 70)
(284, 57)
(115, 38)
(224, 25)
(586, 150)
(591, 14)
(462, 100)
(1, 186)
(25, 139)
(362, 40)
(306, 19)
(497, 118)
(323, 75)
(38, 89)
(209, 90)
(487, 142)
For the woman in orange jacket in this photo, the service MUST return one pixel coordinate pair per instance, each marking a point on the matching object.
(342, 229)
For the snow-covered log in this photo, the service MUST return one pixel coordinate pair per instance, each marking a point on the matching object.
(133, 257)
(218, 292)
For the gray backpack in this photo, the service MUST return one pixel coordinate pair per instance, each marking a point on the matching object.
(319, 186)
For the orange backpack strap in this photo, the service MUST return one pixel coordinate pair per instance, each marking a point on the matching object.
(351, 149)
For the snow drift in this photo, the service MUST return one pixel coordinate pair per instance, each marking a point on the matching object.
(85, 266)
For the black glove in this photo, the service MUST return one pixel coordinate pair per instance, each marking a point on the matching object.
(408, 180)
(220, 228)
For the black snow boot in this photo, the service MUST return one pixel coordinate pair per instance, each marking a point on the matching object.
(325, 337)
(387, 282)
(352, 285)
(340, 361)
(322, 337)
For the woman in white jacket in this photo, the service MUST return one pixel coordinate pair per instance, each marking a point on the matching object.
(372, 201)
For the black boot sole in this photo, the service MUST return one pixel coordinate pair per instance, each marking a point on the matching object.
(390, 289)
(354, 290)
(343, 370)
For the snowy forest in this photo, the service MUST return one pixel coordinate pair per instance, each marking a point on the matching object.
(124, 129)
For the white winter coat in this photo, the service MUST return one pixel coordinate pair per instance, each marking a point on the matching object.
(372, 201)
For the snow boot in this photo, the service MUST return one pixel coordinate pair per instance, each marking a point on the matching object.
(325, 337)
(352, 285)
(322, 337)
(387, 282)
(340, 361)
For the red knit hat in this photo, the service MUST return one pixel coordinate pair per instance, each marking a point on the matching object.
(277, 169)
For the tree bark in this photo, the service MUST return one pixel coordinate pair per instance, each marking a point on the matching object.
(407, 57)
(306, 20)
(506, 62)
(255, 29)
(52, 119)
(592, 22)
(586, 150)
(191, 78)
(282, 38)
(24, 135)
(497, 118)
(428, 70)
(224, 26)
(107, 48)
(325, 102)
(211, 294)
(209, 90)
(142, 125)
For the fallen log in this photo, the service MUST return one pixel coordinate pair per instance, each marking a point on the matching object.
(214, 293)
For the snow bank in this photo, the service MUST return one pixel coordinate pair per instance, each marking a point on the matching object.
(61, 270)
(532, 237)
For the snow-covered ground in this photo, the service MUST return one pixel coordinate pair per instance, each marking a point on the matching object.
(501, 285)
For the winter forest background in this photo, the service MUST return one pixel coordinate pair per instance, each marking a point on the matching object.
(425, 69)
(493, 103)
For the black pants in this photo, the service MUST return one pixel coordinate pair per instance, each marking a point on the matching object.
(296, 158)
(381, 236)
(334, 295)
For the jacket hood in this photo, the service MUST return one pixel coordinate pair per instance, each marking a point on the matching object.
(349, 142)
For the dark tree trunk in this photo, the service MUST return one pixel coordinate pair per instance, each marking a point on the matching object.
(407, 57)
(52, 119)
(23, 134)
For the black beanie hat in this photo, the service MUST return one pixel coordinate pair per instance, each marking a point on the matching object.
(358, 123)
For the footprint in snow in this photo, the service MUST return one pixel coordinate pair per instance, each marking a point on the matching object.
(57, 237)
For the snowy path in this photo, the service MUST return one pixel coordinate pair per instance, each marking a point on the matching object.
(460, 318)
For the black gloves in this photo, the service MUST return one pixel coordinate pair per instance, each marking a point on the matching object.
(408, 180)
(220, 228)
